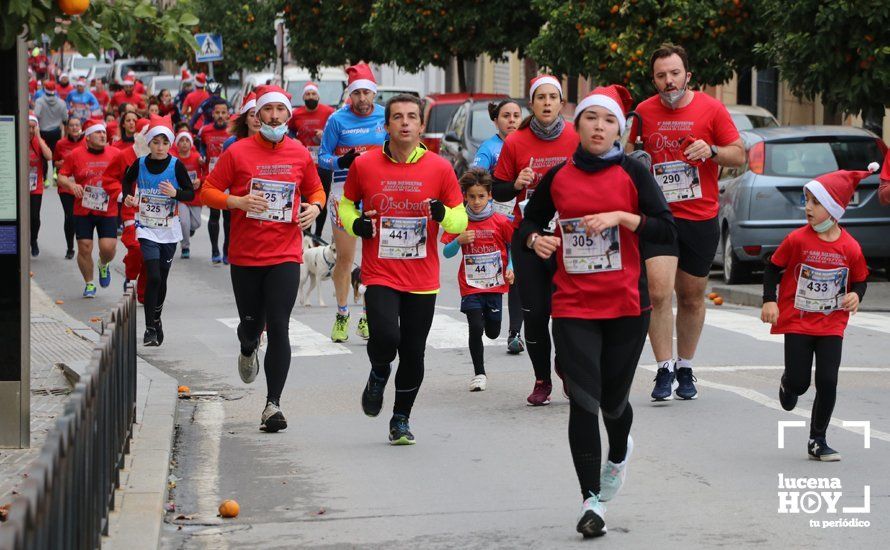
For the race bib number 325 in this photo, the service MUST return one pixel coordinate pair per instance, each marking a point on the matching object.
(582, 253)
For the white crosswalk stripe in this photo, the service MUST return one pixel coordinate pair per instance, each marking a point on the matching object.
(871, 321)
(740, 323)
(304, 342)
(447, 332)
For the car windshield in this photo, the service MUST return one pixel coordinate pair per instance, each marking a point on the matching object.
(747, 122)
(440, 115)
(384, 95)
(140, 67)
(329, 91)
(83, 62)
(810, 159)
(481, 125)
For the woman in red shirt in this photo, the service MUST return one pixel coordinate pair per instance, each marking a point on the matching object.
(605, 204)
(38, 154)
(73, 138)
(189, 212)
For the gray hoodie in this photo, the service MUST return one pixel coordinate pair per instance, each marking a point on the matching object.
(51, 112)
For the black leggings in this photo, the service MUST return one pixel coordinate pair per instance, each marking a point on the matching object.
(514, 304)
(478, 324)
(36, 202)
(68, 210)
(399, 322)
(799, 352)
(265, 298)
(325, 176)
(598, 359)
(156, 273)
(534, 280)
(213, 230)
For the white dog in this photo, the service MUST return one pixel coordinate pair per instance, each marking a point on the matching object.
(318, 266)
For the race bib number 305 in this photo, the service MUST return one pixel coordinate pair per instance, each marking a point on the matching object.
(820, 290)
(94, 198)
(582, 253)
(678, 181)
(279, 194)
(484, 270)
(402, 238)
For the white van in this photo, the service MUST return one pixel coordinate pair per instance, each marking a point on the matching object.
(251, 81)
(331, 83)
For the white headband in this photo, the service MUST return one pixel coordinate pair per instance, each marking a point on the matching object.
(95, 128)
(248, 106)
(363, 84)
(273, 97)
(186, 135)
(606, 102)
(34, 118)
(545, 80)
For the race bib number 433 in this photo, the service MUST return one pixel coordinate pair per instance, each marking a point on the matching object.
(820, 290)
(582, 253)
(678, 181)
(402, 238)
(280, 196)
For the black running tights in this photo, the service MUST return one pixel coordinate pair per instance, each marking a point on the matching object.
(213, 230)
(156, 272)
(399, 323)
(799, 352)
(68, 210)
(535, 288)
(36, 202)
(265, 298)
(480, 324)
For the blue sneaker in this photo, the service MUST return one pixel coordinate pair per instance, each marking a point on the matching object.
(685, 387)
(592, 522)
(225, 259)
(186, 254)
(104, 275)
(216, 258)
(89, 291)
(665, 382)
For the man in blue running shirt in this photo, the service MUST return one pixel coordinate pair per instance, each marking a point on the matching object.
(352, 130)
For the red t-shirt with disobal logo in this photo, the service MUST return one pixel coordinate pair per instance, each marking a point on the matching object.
(88, 168)
(491, 235)
(522, 148)
(195, 169)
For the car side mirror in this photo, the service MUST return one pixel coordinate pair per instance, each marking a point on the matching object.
(452, 136)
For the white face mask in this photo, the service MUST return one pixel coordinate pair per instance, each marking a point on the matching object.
(673, 98)
(273, 133)
(824, 226)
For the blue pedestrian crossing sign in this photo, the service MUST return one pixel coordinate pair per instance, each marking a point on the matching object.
(210, 47)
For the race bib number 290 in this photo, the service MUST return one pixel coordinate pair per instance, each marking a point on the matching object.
(820, 290)
(678, 181)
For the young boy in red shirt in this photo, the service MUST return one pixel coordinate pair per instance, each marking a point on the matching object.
(823, 283)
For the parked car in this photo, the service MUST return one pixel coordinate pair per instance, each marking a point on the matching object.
(468, 128)
(77, 65)
(141, 66)
(331, 83)
(762, 201)
(384, 93)
(747, 117)
(154, 84)
(99, 71)
(438, 110)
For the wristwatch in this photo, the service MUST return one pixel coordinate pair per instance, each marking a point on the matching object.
(713, 151)
(531, 244)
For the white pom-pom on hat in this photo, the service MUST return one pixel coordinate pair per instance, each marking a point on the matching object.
(873, 167)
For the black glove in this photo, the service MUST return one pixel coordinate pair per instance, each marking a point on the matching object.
(437, 210)
(363, 227)
(345, 161)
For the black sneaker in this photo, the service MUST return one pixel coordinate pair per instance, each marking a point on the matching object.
(399, 431)
(665, 382)
(150, 338)
(35, 250)
(69, 254)
(372, 396)
(818, 449)
(159, 329)
(788, 400)
(272, 419)
(685, 387)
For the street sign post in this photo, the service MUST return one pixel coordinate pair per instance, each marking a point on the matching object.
(210, 49)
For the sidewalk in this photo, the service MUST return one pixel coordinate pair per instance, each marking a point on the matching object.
(877, 296)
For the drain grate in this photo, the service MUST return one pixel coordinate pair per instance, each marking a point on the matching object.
(51, 391)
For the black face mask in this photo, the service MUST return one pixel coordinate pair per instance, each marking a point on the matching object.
(311, 104)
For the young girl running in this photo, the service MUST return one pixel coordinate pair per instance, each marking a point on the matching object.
(823, 283)
(485, 273)
(189, 212)
(606, 204)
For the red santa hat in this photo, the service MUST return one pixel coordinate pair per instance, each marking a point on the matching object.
(159, 126)
(50, 86)
(272, 94)
(310, 86)
(141, 125)
(200, 80)
(615, 98)
(131, 74)
(82, 81)
(360, 78)
(835, 189)
(539, 81)
(92, 126)
(129, 82)
(186, 75)
(248, 103)
(33, 118)
(185, 134)
(63, 75)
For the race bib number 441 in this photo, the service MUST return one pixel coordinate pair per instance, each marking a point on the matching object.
(582, 253)
(402, 238)
(678, 181)
(280, 196)
(820, 290)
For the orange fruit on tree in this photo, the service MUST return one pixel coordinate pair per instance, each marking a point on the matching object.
(229, 509)
(613, 46)
(74, 7)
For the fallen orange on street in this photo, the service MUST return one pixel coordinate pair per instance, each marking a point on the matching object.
(718, 301)
(229, 509)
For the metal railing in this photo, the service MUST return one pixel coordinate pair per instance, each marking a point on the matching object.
(65, 500)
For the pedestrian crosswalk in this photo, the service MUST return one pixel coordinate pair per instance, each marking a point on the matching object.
(304, 341)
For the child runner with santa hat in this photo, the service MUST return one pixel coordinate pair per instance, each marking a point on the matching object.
(189, 212)
(823, 283)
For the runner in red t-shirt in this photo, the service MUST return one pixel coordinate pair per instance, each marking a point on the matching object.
(884, 188)
(211, 139)
(197, 96)
(822, 285)
(266, 176)
(307, 125)
(485, 273)
(101, 94)
(189, 212)
(543, 141)
(406, 193)
(38, 154)
(688, 135)
(73, 139)
(128, 95)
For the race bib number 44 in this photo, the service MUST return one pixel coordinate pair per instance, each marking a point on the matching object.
(402, 238)
(94, 198)
(582, 253)
(820, 290)
(484, 270)
(678, 181)
(279, 194)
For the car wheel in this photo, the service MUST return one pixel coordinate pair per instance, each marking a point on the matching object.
(734, 270)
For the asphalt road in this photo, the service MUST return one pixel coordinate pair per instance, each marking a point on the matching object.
(488, 471)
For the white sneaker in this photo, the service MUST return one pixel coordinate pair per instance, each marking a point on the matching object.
(272, 418)
(249, 366)
(613, 475)
(478, 383)
(592, 522)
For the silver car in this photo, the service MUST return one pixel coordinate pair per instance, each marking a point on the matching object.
(762, 201)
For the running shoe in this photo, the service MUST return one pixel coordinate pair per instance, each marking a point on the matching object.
(665, 382)
(225, 259)
(340, 332)
(249, 366)
(104, 275)
(272, 419)
(35, 250)
(540, 394)
(592, 522)
(399, 431)
(362, 329)
(150, 338)
(372, 396)
(478, 383)
(89, 291)
(685, 387)
(788, 400)
(514, 344)
(159, 328)
(216, 259)
(818, 449)
(126, 283)
(612, 475)
(185, 254)
(69, 254)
